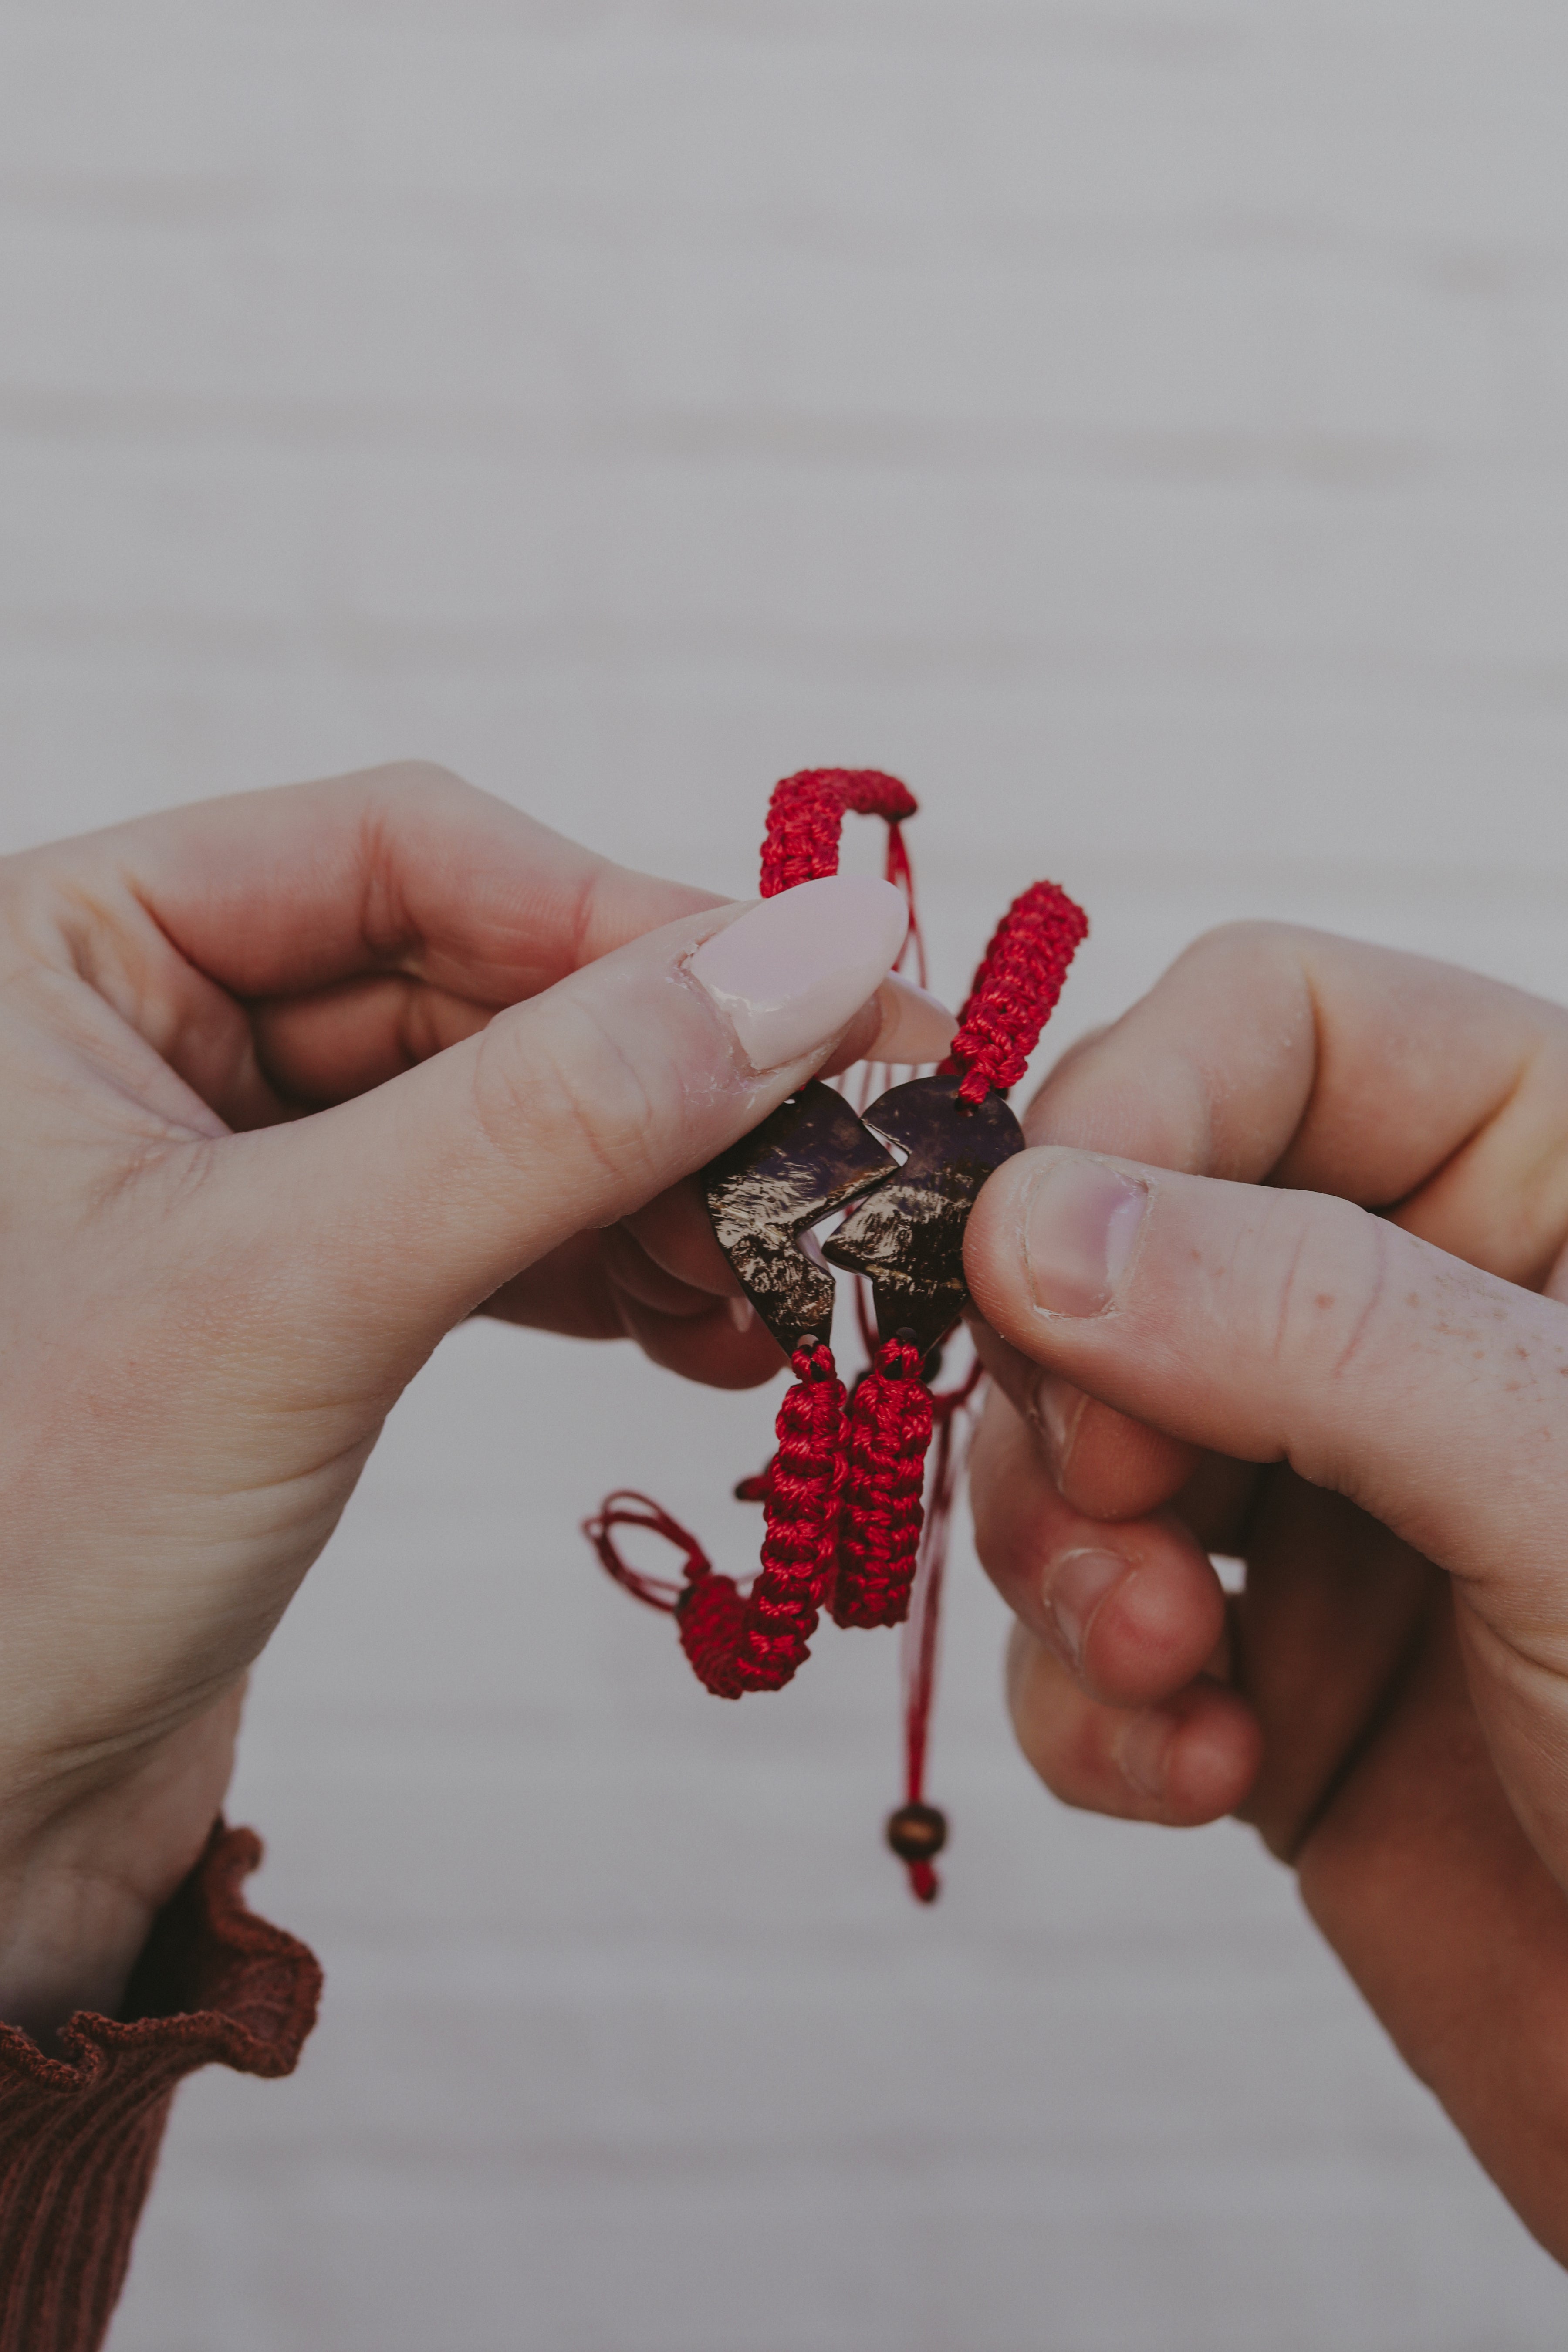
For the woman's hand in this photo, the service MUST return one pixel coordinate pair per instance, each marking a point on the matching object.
(1283, 1281)
(290, 1084)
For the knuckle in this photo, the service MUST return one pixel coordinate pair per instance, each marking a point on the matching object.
(424, 780)
(1325, 1289)
(1249, 940)
(564, 1096)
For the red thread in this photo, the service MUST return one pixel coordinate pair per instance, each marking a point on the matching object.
(757, 1642)
(890, 1430)
(843, 1493)
(805, 817)
(1015, 990)
(920, 1646)
(901, 873)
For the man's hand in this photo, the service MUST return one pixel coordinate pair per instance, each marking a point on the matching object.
(1282, 1281)
(293, 1083)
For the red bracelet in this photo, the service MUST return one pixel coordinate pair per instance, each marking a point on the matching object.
(847, 1528)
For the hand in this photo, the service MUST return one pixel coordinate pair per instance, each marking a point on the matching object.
(1302, 1306)
(293, 1083)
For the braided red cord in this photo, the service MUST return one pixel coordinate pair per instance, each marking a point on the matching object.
(843, 1493)
(890, 1430)
(1015, 990)
(805, 817)
(756, 1643)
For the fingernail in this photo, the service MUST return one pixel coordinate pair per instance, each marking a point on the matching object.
(1073, 1587)
(1056, 1409)
(791, 972)
(1080, 1224)
(742, 1314)
(916, 1026)
(1144, 1752)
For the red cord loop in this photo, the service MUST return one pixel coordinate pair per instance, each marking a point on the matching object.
(805, 817)
(659, 1591)
(1015, 990)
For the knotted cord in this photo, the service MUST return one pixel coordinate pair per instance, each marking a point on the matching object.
(845, 1527)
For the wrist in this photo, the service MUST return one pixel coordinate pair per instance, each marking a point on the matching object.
(69, 1937)
(85, 1871)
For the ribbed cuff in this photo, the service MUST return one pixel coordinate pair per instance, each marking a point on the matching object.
(80, 2134)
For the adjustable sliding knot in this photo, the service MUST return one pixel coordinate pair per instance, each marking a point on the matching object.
(1015, 990)
(805, 817)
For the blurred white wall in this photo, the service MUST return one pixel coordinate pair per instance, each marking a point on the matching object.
(1141, 424)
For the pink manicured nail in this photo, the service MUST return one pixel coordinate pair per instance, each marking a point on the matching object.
(916, 1026)
(1080, 1225)
(791, 972)
(1075, 1585)
(742, 1314)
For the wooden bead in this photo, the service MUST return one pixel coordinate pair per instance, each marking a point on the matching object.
(917, 1832)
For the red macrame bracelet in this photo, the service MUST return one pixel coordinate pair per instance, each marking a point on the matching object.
(890, 1430)
(805, 817)
(1015, 990)
(843, 1493)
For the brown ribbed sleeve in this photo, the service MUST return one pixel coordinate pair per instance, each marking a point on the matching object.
(80, 2134)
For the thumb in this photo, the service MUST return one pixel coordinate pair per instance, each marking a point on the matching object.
(1279, 1326)
(404, 1209)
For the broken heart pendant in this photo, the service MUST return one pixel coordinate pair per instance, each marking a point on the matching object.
(814, 1156)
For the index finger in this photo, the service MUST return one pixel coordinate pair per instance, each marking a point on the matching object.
(399, 869)
(1272, 1054)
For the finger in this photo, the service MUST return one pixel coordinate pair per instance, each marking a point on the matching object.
(707, 1347)
(402, 868)
(719, 1341)
(1266, 1051)
(1219, 1503)
(337, 1042)
(1133, 1610)
(1288, 1326)
(1396, 1082)
(1325, 1626)
(415, 1202)
(638, 1276)
(567, 1290)
(403, 872)
(677, 1233)
(1188, 1760)
(331, 1043)
(1103, 1463)
(1279, 1325)
(913, 1027)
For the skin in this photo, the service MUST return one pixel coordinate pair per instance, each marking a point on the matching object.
(294, 1082)
(1337, 1348)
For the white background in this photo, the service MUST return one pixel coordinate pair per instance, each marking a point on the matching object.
(1141, 424)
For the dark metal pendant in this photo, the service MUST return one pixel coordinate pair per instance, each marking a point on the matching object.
(807, 1159)
(908, 1238)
